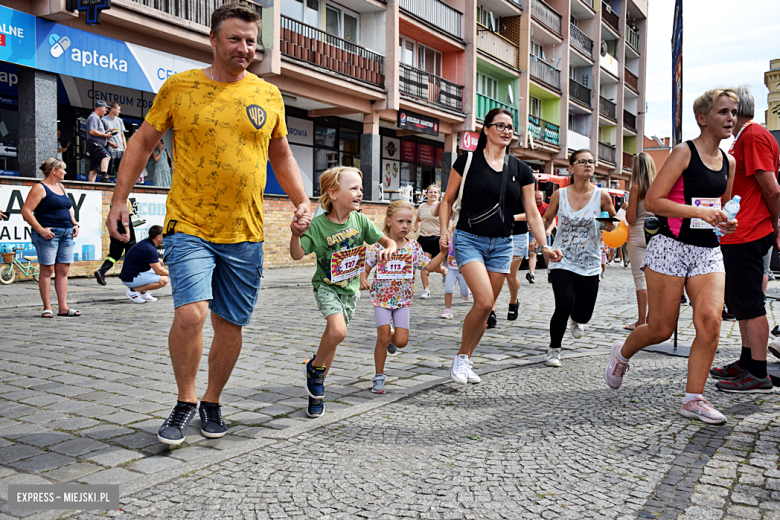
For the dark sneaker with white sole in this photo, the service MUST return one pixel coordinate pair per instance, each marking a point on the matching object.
(316, 407)
(315, 380)
(174, 430)
(100, 277)
(730, 371)
(211, 423)
(746, 384)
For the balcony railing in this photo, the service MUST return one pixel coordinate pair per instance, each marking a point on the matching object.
(543, 130)
(431, 88)
(306, 43)
(607, 108)
(546, 15)
(632, 38)
(629, 120)
(486, 104)
(579, 92)
(196, 11)
(628, 161)
(631, 80)
(610, 17)
(497, 46)
(589, 3)
(581, 42)
(437, 13)
(607, 152)
(545, 73)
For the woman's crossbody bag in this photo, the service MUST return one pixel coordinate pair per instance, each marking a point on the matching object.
(487, 222)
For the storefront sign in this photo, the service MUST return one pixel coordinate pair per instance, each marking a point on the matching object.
(300, 131)
(408, 151)
(425, 154)
(391, 148)
(468, 141)
(17, 37)
(417, 122)
(87, 207)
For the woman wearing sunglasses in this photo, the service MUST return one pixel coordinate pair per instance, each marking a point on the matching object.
(496, 185)
(575, 279)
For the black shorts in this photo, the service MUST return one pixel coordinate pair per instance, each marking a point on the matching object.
(744, 277)
(430, 245)
(97, 152)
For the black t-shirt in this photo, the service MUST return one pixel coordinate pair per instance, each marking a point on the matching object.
(139, 260)
(521, 226)
(483, 190)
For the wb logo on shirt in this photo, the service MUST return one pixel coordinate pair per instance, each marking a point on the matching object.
(256, 115)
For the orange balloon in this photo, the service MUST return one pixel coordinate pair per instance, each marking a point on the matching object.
(617, 237)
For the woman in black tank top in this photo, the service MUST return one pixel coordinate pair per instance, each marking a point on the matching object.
(694, 183)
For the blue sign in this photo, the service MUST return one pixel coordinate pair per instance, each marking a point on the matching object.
(17, 37)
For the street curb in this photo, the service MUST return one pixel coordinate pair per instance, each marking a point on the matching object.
(274, 436)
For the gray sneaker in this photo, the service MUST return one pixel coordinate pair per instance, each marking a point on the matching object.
(378, 384)
(553, 357)
(392, 349)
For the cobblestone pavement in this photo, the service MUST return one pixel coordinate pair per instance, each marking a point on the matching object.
(81, 399)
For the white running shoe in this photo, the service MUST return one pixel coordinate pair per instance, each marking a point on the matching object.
(147, 296)
(135, 296)
(774, 345)
(553, 357)
(460, 369)
(472, 378)
(616, 368)
(447, 314)
(425, 294)
(577, 329)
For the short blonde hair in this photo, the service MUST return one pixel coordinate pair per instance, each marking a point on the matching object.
(330, 180)
(49, 164)
(395, 206)
(704, 103)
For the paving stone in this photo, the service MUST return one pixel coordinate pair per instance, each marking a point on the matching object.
(42, 462)
(19, 478)
(111, 476)
(72, 472)
(17, 452)
(112, 456)
(77, 447)
(45, 439)
(154, 464)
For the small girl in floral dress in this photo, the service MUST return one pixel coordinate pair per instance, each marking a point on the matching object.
(393, 286)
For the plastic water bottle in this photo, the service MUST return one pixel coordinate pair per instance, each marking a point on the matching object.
(731, 208)
(604, 214)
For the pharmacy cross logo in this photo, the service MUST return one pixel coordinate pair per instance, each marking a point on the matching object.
(256, 115)
(91, 7)
(58, 45)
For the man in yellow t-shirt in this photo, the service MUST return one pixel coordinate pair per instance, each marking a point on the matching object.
(227, 123)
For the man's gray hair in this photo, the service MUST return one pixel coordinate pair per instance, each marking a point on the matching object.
(746, 107)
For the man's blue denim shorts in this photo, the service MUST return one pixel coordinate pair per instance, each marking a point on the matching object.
(58, 250)
(520, 245)
(494, 252)
(227, 275)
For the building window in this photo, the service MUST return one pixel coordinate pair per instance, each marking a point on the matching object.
(537, 50)
(485, 18)
(306, 11)
(342, 23)
(487, 86)
(536, 107)
(426, 59)
(571, 122)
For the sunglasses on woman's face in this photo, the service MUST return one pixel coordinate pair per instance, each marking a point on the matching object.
(502, 127)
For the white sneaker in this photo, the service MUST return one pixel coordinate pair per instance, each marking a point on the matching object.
(577, 329)
(774, 345)
(425, 294)
(553, 357)
(472, 378)
(447, 314)
(460, 369)
(135, 296)
(147, 296)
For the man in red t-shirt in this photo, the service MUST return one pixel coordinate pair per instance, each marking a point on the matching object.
(755, 181)
(536, 242)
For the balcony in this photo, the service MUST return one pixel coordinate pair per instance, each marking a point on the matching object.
(309, 44)
(497, 46)
(629, 120)
(628, 161)
(631, 80)
(579, 93)
(430, 88)
(581, 42)
(607, 108)
(196, 11)
(610, 17)
(589, 3)
(545, 73)
(542, 130)
(436, 13)
(486, 104)
(632, 38)
(546, 15)
(577, 141)
(607, 152)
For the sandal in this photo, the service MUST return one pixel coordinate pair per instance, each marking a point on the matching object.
(47, 313)
(630, 326)
(72, 313)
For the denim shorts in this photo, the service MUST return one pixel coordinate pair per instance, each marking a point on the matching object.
(520, 245)
(227, 275)
(58, 250)
(494, 252)
(144, 278)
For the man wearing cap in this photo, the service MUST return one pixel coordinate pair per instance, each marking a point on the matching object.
(97, 139)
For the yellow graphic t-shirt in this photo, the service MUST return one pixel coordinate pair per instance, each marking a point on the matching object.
(221, 133)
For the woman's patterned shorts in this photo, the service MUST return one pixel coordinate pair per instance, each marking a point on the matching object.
(668, 256)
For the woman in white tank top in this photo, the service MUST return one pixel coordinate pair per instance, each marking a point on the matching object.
(575, 279)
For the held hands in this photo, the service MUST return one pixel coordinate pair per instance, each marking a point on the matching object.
(47, 233)
(118, 213)
(302, 219)
(553, 255)
(728, 227)
(444, 242)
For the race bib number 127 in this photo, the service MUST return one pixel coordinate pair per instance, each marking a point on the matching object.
(345, 265)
